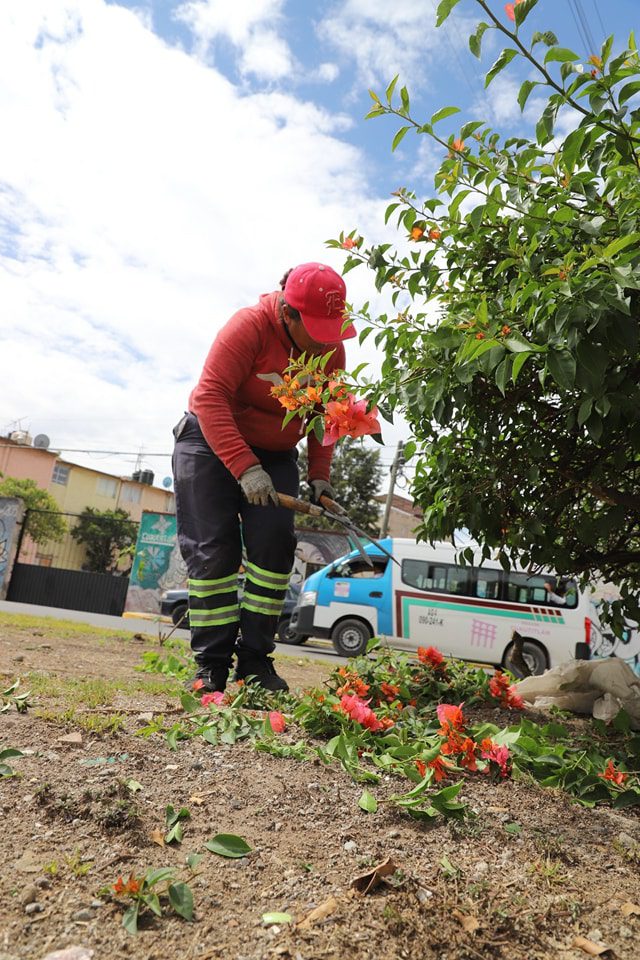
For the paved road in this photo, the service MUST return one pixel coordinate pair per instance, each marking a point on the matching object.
(320, 649)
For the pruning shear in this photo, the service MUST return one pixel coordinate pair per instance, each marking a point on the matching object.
(334, 511)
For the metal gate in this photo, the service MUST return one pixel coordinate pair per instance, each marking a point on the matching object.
(69, 573)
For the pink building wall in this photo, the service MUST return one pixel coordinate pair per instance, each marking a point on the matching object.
(26, 463)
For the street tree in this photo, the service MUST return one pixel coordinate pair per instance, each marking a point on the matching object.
(105, 534)
(513, 349)
(356, 474)
(44, 522)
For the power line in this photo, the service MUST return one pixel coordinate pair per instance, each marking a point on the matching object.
(597, 9)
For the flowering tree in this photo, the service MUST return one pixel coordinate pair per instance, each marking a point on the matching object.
(514, 350)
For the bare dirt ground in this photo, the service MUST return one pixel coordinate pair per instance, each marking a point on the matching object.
(520, 881)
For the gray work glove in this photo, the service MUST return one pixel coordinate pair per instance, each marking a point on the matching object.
(321, 488)
(258, 488)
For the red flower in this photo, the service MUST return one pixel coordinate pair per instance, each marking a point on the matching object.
(422, 768)
(131, 887)
(434, 234)
(217, 698)
(348, 418)
(119, 885)
(457, 146)
(467, 754)
(277, 721)
(505, 692)
(348, 243)
(615, 776)
(417, 233)
(495, 754)
(510, 9)
(450, 718)
(430, 655)
(360, 711)
(198, 684)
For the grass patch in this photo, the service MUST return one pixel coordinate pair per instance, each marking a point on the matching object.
(98, 724)
(92, 692)
(61, 628)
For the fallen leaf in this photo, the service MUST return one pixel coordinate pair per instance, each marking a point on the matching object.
(368, 881)
(157, 836)
(73, 738)
(593, 949)
(469, 923)
(197, 800)
(319, 913)
(270, 918)
(628, 909)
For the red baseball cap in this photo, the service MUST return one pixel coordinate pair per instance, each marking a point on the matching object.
(318, 293)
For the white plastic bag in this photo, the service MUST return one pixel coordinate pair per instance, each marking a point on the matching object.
(599, 687)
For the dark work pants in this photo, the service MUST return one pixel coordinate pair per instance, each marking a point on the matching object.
(214, 520)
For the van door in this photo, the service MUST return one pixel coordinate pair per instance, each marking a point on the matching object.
(354, 589)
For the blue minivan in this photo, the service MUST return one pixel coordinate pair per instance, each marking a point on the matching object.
(427, 598)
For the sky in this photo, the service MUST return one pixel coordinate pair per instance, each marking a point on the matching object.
(163, 162)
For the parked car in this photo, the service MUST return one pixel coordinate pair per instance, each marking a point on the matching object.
(175, 604)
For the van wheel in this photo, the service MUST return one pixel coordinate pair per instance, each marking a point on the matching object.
(180, 615)
(533, 654)
(286, 634)
(350, 637)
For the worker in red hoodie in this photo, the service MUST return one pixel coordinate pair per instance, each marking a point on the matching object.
(231, 456)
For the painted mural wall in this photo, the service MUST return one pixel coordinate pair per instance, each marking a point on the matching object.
(158, 564)
(11, 514)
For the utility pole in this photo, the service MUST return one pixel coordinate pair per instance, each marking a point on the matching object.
(398, 460)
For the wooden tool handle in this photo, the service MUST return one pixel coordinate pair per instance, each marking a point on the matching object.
(331, 505)
(300, 506)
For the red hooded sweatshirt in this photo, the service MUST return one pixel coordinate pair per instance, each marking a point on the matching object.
(232, 401)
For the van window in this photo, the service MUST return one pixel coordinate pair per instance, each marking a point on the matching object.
(441, 577)
(487, 584)
(522, 588)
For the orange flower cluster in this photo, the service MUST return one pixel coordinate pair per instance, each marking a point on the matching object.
(457, 743)
(505, 692)
(432, 657)
(613, 775)
(352, 684)
(389, 691)
(129, 887)
(439, 767)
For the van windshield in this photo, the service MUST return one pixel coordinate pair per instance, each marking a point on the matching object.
(356, 567)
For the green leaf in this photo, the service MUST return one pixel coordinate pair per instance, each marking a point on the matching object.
(444, 9)
(525, 90)
(391, 88)
(445, 112)
(368, 802)
(181, 899)
(193, 859)
(585, 411)
(629, 90)
(475, 40)
(513, 828)
(130, 918)
(271, 918)
(522, 11)
(398, 137)
(619, 244)
(518, 363)
(571, 148)
(562, 367)
(159, 875)
(560, 55)
(548, 38)
(505, 58)
(228, 845)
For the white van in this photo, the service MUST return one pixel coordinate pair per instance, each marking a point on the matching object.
(427, 599)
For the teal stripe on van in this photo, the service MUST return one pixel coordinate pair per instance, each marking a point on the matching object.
(478, 611)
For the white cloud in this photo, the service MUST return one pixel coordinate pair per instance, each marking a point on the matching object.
(146, 199)
(250, 25)
(381, 40)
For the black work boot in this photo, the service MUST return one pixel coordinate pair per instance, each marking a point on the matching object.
(208, 680)
(256, 669)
